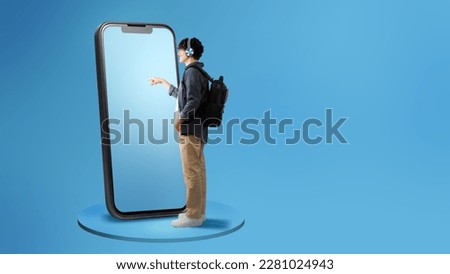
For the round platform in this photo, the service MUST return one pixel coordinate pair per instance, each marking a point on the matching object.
(221, 220)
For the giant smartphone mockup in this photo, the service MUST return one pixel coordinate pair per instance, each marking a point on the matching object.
(141, 159)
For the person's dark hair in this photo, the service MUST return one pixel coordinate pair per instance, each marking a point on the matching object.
(196, 45)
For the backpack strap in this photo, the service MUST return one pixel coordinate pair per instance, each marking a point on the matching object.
(203, 72)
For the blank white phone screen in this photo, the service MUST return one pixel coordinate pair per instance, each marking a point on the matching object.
(146, 165)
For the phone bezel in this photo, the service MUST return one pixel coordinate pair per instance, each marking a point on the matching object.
(105, 133)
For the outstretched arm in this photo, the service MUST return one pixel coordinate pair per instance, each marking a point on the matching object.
(157, 80)
(173, 91)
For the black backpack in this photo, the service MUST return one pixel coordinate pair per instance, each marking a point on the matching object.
(211, 110)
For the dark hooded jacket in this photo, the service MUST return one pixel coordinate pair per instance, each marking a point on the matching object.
(191, 94)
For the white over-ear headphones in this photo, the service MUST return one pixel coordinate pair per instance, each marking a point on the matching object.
(189, 50)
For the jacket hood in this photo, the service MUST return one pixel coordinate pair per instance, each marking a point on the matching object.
(195, 64)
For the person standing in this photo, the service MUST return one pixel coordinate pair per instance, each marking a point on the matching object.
(192, 134)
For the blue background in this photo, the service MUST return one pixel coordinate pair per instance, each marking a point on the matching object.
(384, 64)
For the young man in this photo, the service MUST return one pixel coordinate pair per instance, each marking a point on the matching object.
(192, 134)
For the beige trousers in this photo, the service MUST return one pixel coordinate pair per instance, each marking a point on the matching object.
(193, 162)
